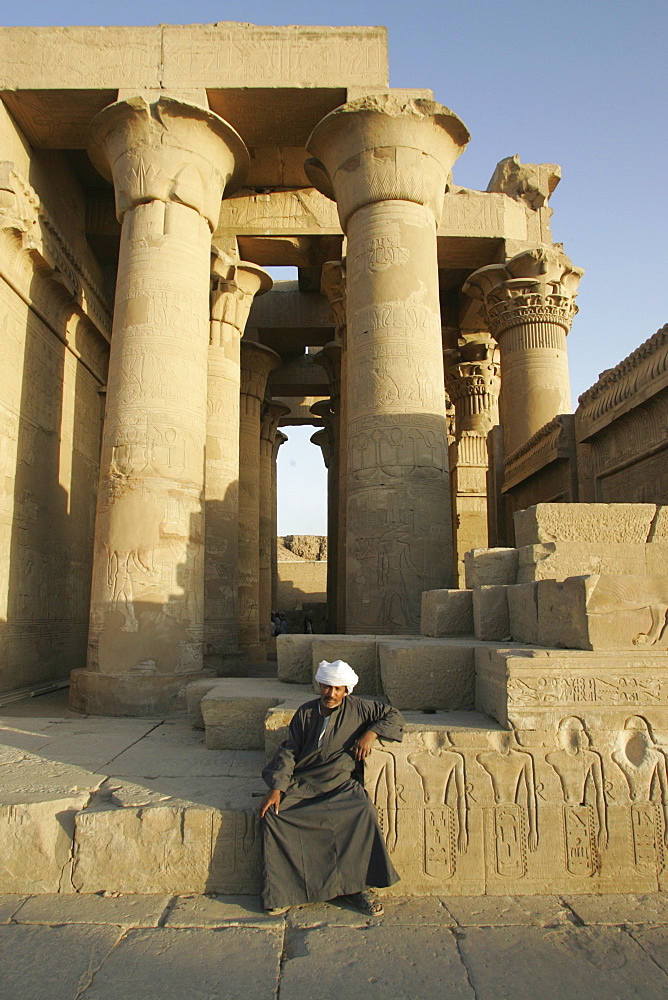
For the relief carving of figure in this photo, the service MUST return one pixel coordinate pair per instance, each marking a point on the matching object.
(380, 781)
(580, 769)
(513, 778)
(443, 775)
(644, 767)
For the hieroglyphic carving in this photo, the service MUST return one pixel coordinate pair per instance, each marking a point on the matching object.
(644, 767)
(614, 688)
(579, 769)
(303, 210)
(512, 774)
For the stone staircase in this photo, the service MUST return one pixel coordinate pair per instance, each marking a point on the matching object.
(535, 755)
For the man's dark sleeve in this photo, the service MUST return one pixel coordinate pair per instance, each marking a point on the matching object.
(385, 721)
(278, 772)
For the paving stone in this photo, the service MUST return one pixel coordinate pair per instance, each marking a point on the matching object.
(423, 910)
(126, 910)
(654, 940)
(643, 908)
(234, 963)
(219, 911)
(9, 904)
(499, 911)
(333, 914)
(51, 963)
(569, 963)
(375, 962)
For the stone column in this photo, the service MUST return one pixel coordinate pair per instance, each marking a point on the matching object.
(386, 162)
(333, 285)
(270, 417)
(529, 304)
(326, 438)
(279, 439)
(256, 364)
(170, 163)
(233, 287)
(473, 387)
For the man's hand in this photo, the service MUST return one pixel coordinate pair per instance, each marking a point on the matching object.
(363, 745)
(272, 798)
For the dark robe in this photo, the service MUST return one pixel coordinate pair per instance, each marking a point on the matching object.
(325, 840)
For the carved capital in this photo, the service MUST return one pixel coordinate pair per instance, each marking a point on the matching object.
(257, 361)
(271, 415)
(234, 285)
(19, 203)
(473, 378)
(535, 287)
(333, 285)
(167, 151)
(385, 148)
(329, 358)
(532, 183)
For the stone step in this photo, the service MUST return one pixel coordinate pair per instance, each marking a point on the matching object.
(466, 808)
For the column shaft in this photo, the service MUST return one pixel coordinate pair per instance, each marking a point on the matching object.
(169, 164)
(267, 513)
(234, 284)
(397, 488)
(256, 364)
(386, 162)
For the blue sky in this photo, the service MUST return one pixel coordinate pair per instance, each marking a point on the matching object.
(581, 83)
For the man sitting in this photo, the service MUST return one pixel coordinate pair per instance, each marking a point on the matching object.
(320, 830)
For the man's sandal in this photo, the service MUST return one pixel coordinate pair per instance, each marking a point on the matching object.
(367, 902)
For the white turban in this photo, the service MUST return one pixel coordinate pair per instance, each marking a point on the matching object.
(336, 674)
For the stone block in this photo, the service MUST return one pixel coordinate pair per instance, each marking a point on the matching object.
(360, 651)
(427, 675)
(602, 612)
(535, 688)
(295, 658)
(490, 613)
(446, 612)
(523, 612)
(559, 560)
(235, 723)
(584, 522)
(234, 712)
(167, 847)
(36, 842)
(194, 694)
(490, 567)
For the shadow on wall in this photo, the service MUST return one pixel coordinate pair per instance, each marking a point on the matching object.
(51, 429)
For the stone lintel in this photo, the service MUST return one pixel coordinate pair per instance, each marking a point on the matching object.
(212, 56)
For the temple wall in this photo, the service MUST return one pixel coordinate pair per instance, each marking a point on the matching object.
(300, 581)
(54, 360)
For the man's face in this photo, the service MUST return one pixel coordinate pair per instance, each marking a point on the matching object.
(331, 696)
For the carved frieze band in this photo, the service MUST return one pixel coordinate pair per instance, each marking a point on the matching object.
(21, 210)
(555, 439)
(538, 807)
(647, 364)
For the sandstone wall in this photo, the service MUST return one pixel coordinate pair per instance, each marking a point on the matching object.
(55, 320)
(300, 581)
